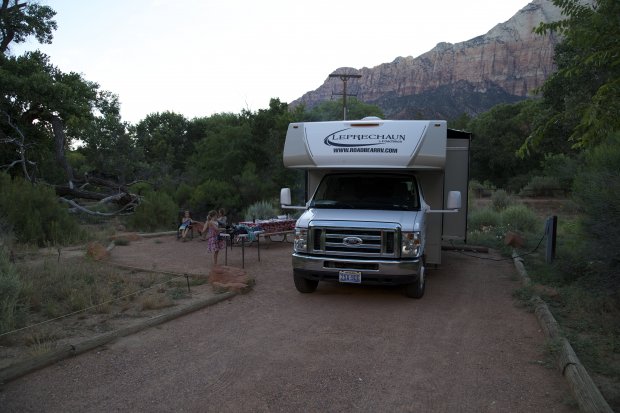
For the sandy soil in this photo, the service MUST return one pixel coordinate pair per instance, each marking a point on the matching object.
(467, 346)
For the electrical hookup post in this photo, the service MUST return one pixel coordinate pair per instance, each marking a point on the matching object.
(551, 230)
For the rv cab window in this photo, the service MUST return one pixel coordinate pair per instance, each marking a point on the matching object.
(367, 191)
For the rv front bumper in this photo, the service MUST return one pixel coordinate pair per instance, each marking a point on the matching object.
(381, 272)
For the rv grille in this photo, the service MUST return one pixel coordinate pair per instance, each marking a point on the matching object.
(339, 241)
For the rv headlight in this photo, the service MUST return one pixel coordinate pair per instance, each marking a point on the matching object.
(301, 240)
(410, 246)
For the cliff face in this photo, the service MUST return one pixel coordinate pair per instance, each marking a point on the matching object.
(503, 65)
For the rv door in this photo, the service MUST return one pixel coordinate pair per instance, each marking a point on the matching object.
(456, 179)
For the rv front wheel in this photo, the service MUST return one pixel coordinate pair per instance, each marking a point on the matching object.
(416, 290)
(305, 285)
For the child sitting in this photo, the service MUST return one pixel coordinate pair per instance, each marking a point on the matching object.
(186, 223)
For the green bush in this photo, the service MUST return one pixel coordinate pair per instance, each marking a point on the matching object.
(541, 186)
(520, 218)
(35, 215)
(183, 194)
(480, 189)
(562, 168)
(482, 219)
(157, 211)
(213, 194)
(10, 288)
(7, 237)
(500, 200)
(141, 188)
(597, 190)
(517, 183)
(261, 210)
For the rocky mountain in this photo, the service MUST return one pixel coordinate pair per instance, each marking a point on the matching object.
(502, 66)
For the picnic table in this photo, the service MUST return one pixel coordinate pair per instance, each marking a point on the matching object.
(272, 227)
(261, 228)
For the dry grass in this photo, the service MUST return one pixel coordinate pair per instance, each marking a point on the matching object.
(155, 301)
(41, 341)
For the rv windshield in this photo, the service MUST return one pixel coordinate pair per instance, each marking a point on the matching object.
(367, 191)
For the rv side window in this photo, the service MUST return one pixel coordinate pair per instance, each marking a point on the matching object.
(367, 191)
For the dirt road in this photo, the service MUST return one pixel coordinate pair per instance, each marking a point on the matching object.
(465, 347)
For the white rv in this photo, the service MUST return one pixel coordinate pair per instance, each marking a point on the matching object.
(383, 195)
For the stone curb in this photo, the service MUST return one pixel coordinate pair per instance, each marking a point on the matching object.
(585, 392)
(24, 367)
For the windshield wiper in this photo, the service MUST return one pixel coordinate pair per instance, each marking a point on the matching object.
(331, 204)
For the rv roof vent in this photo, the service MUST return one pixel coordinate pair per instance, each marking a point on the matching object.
(371, 118)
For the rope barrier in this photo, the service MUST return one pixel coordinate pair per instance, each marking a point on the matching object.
(100, 304)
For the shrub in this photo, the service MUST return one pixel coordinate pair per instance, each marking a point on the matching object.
(260, 210)
(480, 189)
(475, 188)
(10, 288)
(183, 194)
(517, 183)
(214, 194)
(6, 233)
(156, 211)
(562, 168)
(482, 219)
(141, 188)
(35, 215)
(500, 200)
(541, 186)
(597, 190)
(520, 218)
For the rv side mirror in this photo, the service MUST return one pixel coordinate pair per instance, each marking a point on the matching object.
(285, 196)
(454, 200)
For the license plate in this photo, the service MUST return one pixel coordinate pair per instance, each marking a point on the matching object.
(350, 277)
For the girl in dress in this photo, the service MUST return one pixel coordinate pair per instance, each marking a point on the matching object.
(185, 225)
(214, 243)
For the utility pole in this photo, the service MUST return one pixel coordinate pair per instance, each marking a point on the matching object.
(345, 78)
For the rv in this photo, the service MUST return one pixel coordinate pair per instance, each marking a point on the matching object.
(380, 196)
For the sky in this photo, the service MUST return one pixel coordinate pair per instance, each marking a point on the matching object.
(201, 57)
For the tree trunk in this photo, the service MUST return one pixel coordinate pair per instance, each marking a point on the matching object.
(60, 140)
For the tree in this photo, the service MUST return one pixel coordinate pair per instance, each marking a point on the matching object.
(582, 99)
(269, 127)
(460, 123)
(581, 102)
(237, 160)
(18, 21)
(44, 110)
(597, 189)
(45, 102)
(163, 139)
(498, 134)
(107, 144)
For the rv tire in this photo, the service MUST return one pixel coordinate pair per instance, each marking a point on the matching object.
(416, 290)
(305, 285)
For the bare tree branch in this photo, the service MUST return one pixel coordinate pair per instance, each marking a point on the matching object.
(80, 208)
(21, 145)
(119, 197)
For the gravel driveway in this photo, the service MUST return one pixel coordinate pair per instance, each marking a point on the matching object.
(465, 347)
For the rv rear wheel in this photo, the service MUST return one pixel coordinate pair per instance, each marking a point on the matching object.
(416, 290)
(305, 285)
